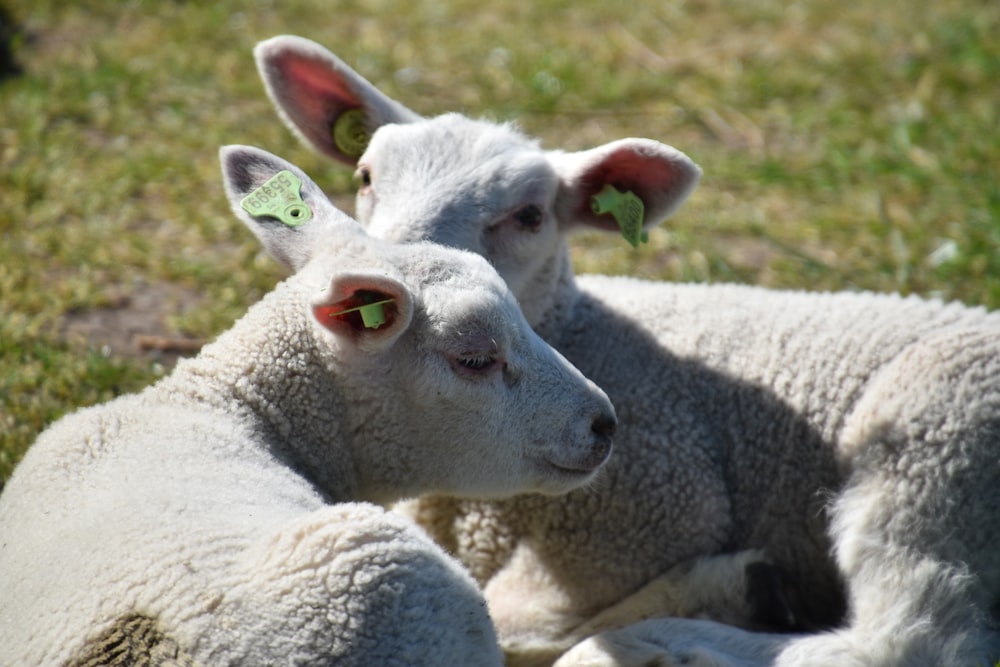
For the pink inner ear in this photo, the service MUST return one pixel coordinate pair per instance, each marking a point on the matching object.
(341, 315)
(628, 170)
(316, 89)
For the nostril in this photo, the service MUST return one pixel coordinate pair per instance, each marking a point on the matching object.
(604, 426)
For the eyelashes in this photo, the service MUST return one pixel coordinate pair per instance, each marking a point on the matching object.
(477, 363)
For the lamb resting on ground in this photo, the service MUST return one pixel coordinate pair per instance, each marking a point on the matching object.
(225, 516)
(852, 437)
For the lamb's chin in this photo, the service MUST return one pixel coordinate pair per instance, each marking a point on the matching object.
(557, 479)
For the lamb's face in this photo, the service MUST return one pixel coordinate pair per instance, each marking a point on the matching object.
(426, 355)
(491, 407)
(470, 184)
(467, 184)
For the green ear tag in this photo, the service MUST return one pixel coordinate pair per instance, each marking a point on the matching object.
(350, 133)
(372, 314)
(627, 210)
(279, 198)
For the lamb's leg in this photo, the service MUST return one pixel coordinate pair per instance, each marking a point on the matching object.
(916, 531)
(910, 606)
(923, 618)
(676, 642)
(742, 589)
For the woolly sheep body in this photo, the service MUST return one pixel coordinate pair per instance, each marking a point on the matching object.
(849, 436)
(774, 442)
(206, 547)
(229, 505)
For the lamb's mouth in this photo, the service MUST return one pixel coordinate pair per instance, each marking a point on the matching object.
(559, 478)
(583, 466)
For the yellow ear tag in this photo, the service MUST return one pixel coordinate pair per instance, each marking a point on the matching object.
(372, 314)
(279, 197)
(627, 209)
(350, 134)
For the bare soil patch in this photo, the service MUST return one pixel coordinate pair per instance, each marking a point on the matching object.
(136, 324)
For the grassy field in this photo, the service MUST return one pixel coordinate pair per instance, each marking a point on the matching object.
(843, 148)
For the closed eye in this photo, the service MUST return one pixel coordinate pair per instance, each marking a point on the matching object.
(477, 363)
(475, 354)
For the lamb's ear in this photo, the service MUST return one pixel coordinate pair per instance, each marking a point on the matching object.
(282, 206)
(327, 104)
(660, 175)
(365, 309)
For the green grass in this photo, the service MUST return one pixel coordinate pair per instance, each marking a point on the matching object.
(843, 148)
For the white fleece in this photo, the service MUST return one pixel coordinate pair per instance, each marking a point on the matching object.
(226, 511)
(851, 437)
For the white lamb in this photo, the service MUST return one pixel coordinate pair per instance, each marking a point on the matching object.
(852, 437)
(224, 515)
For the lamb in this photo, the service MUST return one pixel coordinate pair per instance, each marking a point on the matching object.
(850, 436)
(228, 514)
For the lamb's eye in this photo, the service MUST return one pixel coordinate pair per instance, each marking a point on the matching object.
(476, 362)
(529, 217)
(364, 176)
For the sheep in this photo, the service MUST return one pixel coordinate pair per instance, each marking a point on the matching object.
(230, 513)
(849, 436)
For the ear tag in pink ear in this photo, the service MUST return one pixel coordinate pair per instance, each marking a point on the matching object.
(372, 314)
(279, 197)
(627, 209)
(350, 134)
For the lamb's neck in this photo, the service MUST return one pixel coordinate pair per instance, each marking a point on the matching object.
(548, 301)
(269, 378)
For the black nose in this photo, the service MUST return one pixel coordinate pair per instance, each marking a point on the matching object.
(604, 426)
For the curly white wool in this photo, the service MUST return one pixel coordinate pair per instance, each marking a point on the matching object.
(850, 436)
(227, 510)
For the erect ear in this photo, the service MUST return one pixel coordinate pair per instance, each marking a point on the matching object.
(282, 206)
(327, 104)
(365, 309)
(660, 175)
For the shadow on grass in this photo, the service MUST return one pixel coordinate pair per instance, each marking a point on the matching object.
(11, 37)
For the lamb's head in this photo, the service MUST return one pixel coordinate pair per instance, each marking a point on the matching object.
(476, 185)
(452, 391)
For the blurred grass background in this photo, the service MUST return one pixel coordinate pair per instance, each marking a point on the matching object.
(844, 147)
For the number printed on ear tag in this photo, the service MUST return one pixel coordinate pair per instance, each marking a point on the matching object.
(279, 197)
